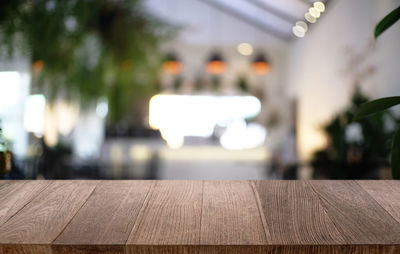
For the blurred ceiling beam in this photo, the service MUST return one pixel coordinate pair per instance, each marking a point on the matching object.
(253, 21)
(274, 11)
(310, 2)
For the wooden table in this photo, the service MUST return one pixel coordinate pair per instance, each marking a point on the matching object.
(200, 217)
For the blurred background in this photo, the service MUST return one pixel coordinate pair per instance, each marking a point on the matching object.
(195, 89)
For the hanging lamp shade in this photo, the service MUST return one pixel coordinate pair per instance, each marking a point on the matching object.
(171, 64)
(260, 65)
(215, 64)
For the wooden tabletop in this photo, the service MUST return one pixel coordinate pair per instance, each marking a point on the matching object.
(200, 217)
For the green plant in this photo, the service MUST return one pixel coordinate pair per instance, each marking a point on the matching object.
(379, 105)
(84, 50)
(355, 150)
(387, 22)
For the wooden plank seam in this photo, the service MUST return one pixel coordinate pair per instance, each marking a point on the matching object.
(140, 214)
(72, 217)
(324, 209)
(33, 197)
(261, 212)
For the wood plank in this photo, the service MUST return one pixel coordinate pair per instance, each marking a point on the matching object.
(164, 249)
(230, 215)
(88, 249)
(271, 249)
(14, 195)
(234, 249)
(302, 249)
(44, 218)
(287, 249)
(386, 193)
(2, 182)
(294, 215)
(25, 249)
(107, 218)
(357, 216)
(235, 217)
(170, 216)
(331, 249)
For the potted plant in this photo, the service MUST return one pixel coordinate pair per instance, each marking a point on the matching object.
(5, 155)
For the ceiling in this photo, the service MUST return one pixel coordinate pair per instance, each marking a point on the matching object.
(224, 21)
(274, 17)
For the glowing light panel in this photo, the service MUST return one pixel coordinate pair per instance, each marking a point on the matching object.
(9, 88)
(34, 114)
(177, 116)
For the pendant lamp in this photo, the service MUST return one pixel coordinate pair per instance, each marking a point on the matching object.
(260, 65)
(172, 65)
(215, 64)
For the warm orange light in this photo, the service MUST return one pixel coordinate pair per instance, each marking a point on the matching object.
(215, 67)
(37, 66)
(261, 68)
(261, 65)
(172, 64)
(172, 67)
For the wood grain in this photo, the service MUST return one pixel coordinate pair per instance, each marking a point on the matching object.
(386, 193)
(357, 216)
(230, 215)
(44, 218)
(26, 249)
(14, 195)
(163, 249)
(108, 215)
(88, 249)
(331, 249)
(294, 215)
(233, 249)
(184, 217)
(2, 182)
(170, 216)
(302, 249)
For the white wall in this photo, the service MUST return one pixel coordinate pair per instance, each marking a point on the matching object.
(338, 51)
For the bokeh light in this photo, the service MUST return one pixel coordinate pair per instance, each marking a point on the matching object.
(301, 25)
(245, 49)
(320, 6)
(310, 18)
(314, 12)
(298, 31)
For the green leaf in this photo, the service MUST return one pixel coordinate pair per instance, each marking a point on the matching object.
(375, 106)
(396, 156)
(387, 22)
